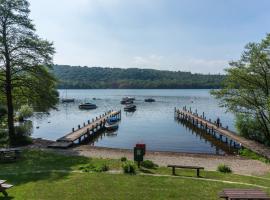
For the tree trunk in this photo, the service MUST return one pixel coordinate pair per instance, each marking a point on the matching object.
(8, 87)
(11, 129)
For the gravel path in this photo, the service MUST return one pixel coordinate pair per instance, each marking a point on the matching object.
(238, 164)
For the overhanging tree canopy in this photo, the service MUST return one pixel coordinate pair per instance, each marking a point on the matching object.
(247, 86)
(24, 61)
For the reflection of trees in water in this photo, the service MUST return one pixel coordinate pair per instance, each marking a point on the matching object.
(207, 137)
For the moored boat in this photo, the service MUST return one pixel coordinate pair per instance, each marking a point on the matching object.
(127, 100)
(112, 123)
(87, 106)
(149, 100)
(66, 100)
(130, 107)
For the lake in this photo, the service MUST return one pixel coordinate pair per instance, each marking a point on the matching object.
(152, 123)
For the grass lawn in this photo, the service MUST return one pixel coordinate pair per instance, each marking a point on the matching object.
(37, 176)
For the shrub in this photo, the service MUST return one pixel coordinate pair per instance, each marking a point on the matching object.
(3, 111)
(129, 167)
(101, 168)
(149, 164)
(25, 112)
(123, 159)
(94, 168)
(252, 155)
(22, 134)
(224, 168)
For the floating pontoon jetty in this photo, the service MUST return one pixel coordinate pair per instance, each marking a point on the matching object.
(86, 131)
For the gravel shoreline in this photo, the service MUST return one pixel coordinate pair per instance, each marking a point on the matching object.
(238, 164)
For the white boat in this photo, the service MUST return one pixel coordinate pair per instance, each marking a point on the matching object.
(112, 123)
(127, 100)
(130, 107)
(87, 106)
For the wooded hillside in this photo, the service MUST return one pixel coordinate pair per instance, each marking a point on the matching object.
(72, 77)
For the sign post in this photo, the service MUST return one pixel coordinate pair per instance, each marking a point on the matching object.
(139, 152)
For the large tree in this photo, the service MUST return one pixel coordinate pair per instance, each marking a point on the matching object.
(247, 90)
(24, 62)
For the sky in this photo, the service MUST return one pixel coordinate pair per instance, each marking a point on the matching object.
(200, 36)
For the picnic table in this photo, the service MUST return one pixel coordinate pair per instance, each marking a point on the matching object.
(237, 194)
(4, 187)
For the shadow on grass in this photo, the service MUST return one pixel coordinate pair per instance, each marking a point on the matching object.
(40, 165)
(146, 171)
(6, 198)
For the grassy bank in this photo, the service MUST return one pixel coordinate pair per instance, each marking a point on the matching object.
(44, 175)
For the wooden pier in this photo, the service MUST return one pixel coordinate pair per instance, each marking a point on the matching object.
(86, 131)
(223, 134)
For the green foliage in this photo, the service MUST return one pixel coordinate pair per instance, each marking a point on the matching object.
(129, 167)
(25, 60)
(247, 90)
(252, 155)
(90, 167)
(224, 168)
(123, 159)
(97, 77)
(25, 112)
(3, 111)
(149, 164)
(3, 137)
(22, 134)
(249, 127)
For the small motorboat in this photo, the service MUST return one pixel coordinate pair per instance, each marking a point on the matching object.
(112, 123)
(150, 100)
(127, 100)
(88, 106)
(130, 107)
(66, 100)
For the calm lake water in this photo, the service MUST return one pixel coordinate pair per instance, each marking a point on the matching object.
(152, 123)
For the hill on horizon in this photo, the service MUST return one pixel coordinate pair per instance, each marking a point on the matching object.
(77, 77)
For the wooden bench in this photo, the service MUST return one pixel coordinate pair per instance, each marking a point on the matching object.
(186, 167)
(9, 154)
(4, 187)
(237, 194)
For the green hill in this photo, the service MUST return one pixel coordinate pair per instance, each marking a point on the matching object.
(76, 77)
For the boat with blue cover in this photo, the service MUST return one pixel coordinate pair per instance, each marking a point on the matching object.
(112, 123)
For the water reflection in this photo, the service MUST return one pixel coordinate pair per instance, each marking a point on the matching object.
(203, 135)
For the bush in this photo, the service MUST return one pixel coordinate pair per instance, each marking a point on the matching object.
(25, 112)
(22, 134)
(123, 159)
(224, 168)
(252, 155)
(3, 111)
(94, 168)
(129, 167)
(149, 164)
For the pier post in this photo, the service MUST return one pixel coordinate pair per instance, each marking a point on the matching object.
(220, 137)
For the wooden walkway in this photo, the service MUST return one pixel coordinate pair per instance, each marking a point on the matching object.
(85, 131)
(230, 137)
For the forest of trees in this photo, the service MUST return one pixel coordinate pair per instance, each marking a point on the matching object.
(76, 77)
